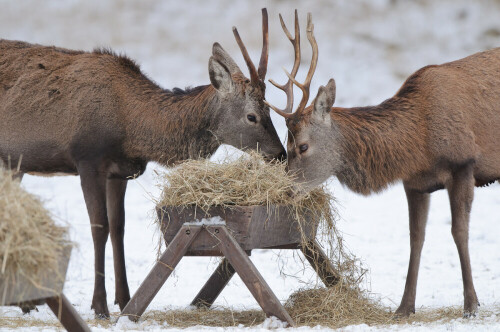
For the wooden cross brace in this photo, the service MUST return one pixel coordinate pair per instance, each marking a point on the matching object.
(236, 261)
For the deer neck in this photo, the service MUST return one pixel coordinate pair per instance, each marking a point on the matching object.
(380, 144)
(176, 125)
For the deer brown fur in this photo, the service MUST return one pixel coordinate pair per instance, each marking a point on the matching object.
(95, 114)
(440, 131)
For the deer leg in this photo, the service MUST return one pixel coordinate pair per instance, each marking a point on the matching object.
(418, 208)
(18, 176)
(94, 191)
(461, 193)
(115, 196)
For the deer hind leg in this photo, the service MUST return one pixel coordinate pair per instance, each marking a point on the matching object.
(116, 215)
(418, 208)
(461, 193)
(93, 184)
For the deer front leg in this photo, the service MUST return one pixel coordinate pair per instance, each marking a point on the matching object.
(461, 193)
(94, 191)
(116, 215)
(418, 208)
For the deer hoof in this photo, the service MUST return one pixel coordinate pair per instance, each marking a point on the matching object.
(27, 307)
(101, 310)
(404, 311)
(471, 309)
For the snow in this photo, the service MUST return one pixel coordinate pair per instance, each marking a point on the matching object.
(213, 221)
(369, 47)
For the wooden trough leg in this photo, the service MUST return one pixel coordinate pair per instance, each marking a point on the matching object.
(321, 264)
(160, 272)
(214, 286)
(66, 314)
(249, 274)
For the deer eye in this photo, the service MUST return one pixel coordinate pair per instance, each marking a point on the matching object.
(252, 118)
(303, 148)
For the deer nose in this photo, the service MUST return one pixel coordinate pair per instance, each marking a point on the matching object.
(281, 156)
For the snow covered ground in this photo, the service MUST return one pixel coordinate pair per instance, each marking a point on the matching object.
(369, 47)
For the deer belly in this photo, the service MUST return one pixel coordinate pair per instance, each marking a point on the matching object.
(37, 158)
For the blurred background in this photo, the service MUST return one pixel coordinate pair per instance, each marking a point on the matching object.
(368, 46)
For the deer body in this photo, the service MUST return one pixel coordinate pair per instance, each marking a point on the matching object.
(97, 116)
(440, 131)
(443, 117)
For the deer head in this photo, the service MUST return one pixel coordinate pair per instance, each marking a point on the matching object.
(309, 128)
(246, 118)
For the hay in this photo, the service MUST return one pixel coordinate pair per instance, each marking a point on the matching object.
(246, 181)
(218, 317)
(30, 242)
(336, 307)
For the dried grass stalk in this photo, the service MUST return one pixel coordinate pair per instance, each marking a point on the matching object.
(30, 242)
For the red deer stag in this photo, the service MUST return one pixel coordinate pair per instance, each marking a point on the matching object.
(440, 131)
(98, 116)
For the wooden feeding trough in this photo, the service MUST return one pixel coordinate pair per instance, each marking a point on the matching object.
(19, 289)
(232, 233)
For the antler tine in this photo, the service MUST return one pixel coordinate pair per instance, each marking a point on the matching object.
(265, 46)
(307, 83)
(254, 76)
(288, 87)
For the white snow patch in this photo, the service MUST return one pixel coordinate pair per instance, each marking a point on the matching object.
(273, 323)
(213, 221)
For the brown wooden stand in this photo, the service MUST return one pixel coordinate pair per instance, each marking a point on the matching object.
(219, 240)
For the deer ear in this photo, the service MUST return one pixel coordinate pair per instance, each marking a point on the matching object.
(220, 76)
(223, 57)
(324, 101)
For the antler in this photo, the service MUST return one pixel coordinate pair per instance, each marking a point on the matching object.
(307, 83)
(261, 74)
(264, 56)
(288, 87)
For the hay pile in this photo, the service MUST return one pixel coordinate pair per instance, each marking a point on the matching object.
(246, 181)
(30, 242)
(335, 307)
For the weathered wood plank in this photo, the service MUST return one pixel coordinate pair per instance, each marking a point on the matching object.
(253, 227)
(160, 272)
(214, 286)
(250, 275)
(237, 219)
(66, 314)
(50, 283)
(320, 263)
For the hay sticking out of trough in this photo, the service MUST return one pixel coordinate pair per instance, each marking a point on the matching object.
(246, 181)
(30, 242)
